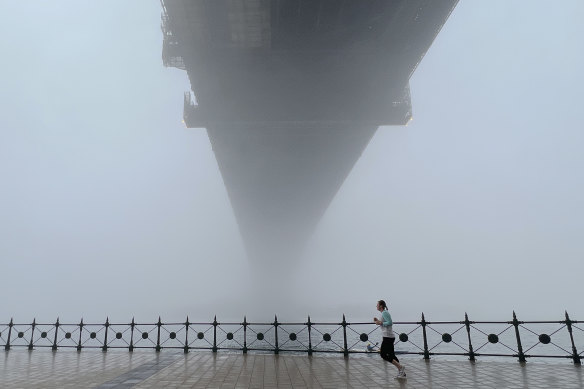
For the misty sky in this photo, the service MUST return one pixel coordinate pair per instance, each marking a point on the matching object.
(110, 206)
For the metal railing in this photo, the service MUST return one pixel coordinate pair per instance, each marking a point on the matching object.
(472, 339)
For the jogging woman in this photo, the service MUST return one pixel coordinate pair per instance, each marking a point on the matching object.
(386, 350)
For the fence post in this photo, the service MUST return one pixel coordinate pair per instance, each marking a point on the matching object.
(186, 348)
(80, 331)
(519, 347)
(132, 325)
(575, 355)
(215, 334)
(471, 354)
(309, 324)
(56, 333)
(7, 345)
(277, 349)
(159, 324)
(426, 352)
(345, 349)
(33, 325)
(107, 324)
(244, 324)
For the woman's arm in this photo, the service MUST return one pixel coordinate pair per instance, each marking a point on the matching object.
(386, 319)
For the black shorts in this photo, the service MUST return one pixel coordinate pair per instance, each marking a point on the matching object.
(387, 352)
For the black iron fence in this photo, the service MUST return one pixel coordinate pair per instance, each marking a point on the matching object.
(472, 339)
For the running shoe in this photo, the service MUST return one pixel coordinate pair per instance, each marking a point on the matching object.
(402, 372)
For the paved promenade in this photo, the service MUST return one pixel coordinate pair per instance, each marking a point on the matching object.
(148, 369)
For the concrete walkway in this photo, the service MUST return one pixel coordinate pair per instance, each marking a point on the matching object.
(148, 369)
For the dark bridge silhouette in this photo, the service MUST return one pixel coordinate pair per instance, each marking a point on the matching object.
(291, 92)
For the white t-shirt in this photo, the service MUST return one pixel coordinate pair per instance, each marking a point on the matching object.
(386, 325)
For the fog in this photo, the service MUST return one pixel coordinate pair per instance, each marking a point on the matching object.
(109, 206)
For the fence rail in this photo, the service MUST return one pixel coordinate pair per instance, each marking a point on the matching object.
(472, 339)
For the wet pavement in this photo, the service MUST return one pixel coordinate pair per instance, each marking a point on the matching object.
(148, 369)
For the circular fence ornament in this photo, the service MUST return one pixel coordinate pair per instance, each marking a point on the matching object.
(545, 338)
(292, 336)
(493, 338)
(326, 337)
(21, 334)
(172, 335)
(364, 337)
(68, 335)
(229, 336)
(119, 335)
(43, 334)
(144, 335)
(200, 335)
(260, 336)
(93, 335)
(446, 338)
(403, 337)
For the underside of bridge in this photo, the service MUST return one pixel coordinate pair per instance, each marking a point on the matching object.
(291, 92)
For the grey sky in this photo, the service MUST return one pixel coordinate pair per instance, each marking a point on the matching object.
(108, 205)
